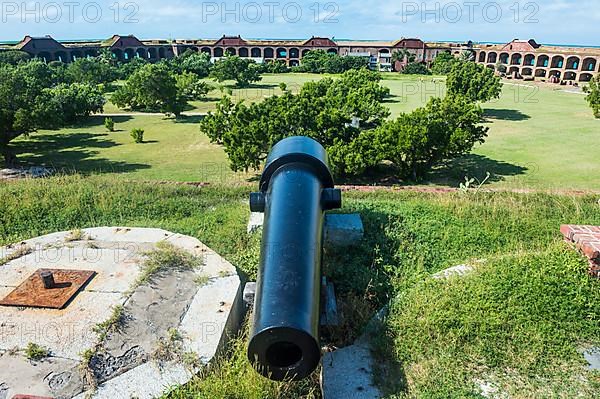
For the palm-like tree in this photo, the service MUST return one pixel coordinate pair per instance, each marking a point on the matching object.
(467, 56)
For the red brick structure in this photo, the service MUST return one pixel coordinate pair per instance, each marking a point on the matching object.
(587, 240)
(125, 48)
(526, 59)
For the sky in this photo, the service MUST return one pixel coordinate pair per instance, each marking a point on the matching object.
(550, 22)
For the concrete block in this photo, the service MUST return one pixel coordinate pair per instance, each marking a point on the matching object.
(343, 229)
(339, 229)
(347, 373)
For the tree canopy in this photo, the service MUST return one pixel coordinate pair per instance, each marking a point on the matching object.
(593, 95)
(30, 101)
(473, 81)
(442, 64)
(320, 61)
(243, 70)
(332, 111)
(152, 87)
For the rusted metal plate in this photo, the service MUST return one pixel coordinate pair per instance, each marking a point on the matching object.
(32, 292)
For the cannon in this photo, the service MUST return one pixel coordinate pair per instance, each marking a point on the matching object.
(295, 189)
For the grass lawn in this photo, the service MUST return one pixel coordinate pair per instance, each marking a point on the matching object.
(517, 322)
(540, 137)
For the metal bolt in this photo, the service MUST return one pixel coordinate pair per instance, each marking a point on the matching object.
(48, 279)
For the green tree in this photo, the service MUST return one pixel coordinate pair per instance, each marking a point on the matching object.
(473, 81)
(13, 57)
(137, 135)
(332, 111)
(442, 64)
(65, 103)
(198, 63)
(153, 87)
(403, 55)
(320, 61)
(28, 101)
(416, 68)
(191, 87)
(109, 124)
(417, 141)
(126, 69)
(593, 95)
(91, 70)
(243, 70)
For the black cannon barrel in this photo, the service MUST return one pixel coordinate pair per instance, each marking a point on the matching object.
(296, 188)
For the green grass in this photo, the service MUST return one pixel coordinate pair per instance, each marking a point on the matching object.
(540, 138)
(516, 322)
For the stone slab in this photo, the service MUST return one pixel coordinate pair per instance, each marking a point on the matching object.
(146, 381)
(210, 315)
(343, 229)
(205, 311)
(459, 270)
(347, 373)
(51, 377)
(339, 229)
(592, 356)
(67, 332)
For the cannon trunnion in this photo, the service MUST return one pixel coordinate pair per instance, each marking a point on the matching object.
(296, 188)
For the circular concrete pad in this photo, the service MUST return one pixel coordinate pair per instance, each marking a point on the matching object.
(127, 333)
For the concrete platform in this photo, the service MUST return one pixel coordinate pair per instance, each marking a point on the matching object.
(202, 305)
(339, 229)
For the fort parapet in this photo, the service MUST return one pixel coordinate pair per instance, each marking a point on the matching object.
(519, 59)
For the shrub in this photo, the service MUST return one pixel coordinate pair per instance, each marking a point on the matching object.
(593, 95)
(109, 124)
(137, 135)
(473, 81)
(416, 68)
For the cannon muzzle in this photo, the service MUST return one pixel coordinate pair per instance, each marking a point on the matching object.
(296, 188)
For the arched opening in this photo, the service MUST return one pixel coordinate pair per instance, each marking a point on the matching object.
(268, 52)
(230, 51)
(514, 72)
(294, 63)
(61, 56)
(256, 52)
(305, 51)
(529, 60)
(573, 63)
(206, 50)
(243, 52)
(481, 57)
(516, 59)
(169, 52)
(45, 56)
(218, 52)
(491, 66)
(294, 53)
(152, 53)
(332, 51)
(527, 72)
(492, 58)
(281, 52)
(569, 75)
(128, 54)
(117, 54)
(161, 53)
(504, 58)
(76, 54)
(558, 61)
(556, 74)
(194, 49)
(540, 73)
(543, 61)
(589, 64)
(141, 53)
(585, 77)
